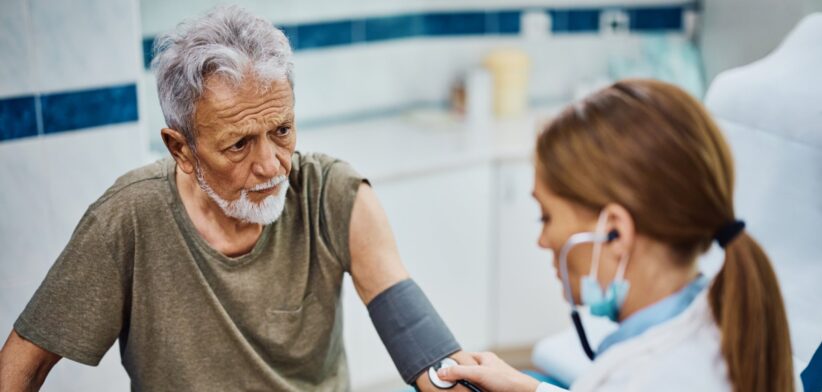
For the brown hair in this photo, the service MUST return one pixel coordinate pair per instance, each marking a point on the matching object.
(652, 148)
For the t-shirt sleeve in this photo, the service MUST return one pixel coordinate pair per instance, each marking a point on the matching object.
(77, 312)
(339, 193)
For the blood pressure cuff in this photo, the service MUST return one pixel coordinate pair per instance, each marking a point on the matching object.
(410, 328)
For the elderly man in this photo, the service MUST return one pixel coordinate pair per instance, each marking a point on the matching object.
(221, 269)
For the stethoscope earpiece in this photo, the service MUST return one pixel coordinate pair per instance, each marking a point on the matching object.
(612, 235)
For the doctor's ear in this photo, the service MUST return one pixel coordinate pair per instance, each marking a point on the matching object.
(620, 228)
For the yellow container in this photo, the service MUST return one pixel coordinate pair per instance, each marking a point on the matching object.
(509, 69)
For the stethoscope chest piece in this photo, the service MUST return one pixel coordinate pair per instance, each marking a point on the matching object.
(435, 379)
(442, 384)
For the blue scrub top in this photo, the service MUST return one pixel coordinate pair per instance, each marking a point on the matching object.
(656, 314)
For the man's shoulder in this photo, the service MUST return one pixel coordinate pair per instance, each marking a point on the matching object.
(303, 160)
(316, 167)
(142, 185)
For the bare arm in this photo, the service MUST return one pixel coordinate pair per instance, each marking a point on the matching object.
(24, 365)
(375, 259)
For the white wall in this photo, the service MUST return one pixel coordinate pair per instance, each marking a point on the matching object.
(364, 79)
(48, 180)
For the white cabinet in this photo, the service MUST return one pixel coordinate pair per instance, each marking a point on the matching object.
(528, 304)
(442, 223)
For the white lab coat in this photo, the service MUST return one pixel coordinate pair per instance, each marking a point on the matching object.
(682, 354)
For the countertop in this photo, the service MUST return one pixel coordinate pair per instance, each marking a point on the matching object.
(427, 141)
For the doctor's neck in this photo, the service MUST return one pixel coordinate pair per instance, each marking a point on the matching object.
(655, 273)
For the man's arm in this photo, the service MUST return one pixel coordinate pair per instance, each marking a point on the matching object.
(24, 365)
(375, 259)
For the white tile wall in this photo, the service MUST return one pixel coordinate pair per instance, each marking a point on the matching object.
(15, 76)
(80, 166)
(25, 253)
(151, 115)
(47, 182)
(370, 77)
(85, 43)
(47, 185)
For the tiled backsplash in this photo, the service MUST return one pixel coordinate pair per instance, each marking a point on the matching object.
(67, 65)
(326, 34)
(67, 111)
(41, 113)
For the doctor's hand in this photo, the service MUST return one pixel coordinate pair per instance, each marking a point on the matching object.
(424, 383)
(492, 374)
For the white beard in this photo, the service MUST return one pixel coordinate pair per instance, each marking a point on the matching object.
(265, 212)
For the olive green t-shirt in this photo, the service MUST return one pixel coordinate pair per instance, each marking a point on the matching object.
(189, 318)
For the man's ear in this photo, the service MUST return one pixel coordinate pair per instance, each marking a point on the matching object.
(619, 219)
(178, 147)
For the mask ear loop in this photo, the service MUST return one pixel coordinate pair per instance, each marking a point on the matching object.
(623, 265)
(599, 231)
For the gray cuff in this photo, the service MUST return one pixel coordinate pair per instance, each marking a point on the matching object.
(410, 328)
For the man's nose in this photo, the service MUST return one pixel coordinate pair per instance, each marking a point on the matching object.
(267, 164)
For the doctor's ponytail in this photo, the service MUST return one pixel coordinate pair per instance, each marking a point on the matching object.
(653, 149)
(747, 306)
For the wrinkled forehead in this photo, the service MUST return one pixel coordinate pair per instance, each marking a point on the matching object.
(228, 105)
(221, 92)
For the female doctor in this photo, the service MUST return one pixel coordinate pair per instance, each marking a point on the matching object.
(634, 183)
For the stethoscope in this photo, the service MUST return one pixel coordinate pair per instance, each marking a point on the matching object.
(442, 384)
(574, 240)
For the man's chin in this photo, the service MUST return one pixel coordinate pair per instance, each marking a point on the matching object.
(259, 198)
(265, 212)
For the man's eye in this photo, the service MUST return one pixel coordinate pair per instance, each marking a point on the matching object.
(283, 131)
(239, 145)
(545, 218)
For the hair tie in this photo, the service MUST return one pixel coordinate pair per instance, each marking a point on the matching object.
(728, 232)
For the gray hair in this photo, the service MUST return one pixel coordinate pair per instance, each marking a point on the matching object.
(229, 42)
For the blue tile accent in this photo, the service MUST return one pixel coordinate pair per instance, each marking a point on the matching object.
(290, 32)
(509, 22)
(393, 27)
(454, 23)
(503, 22)
(325, 34)
(88, 108)
(18, 118)
(574, 20)
(656, 18)
(148, 51)
(461, 23)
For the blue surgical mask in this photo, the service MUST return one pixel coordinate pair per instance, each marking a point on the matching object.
(604, 303)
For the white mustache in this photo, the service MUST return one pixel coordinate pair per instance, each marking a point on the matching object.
(269, 184)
